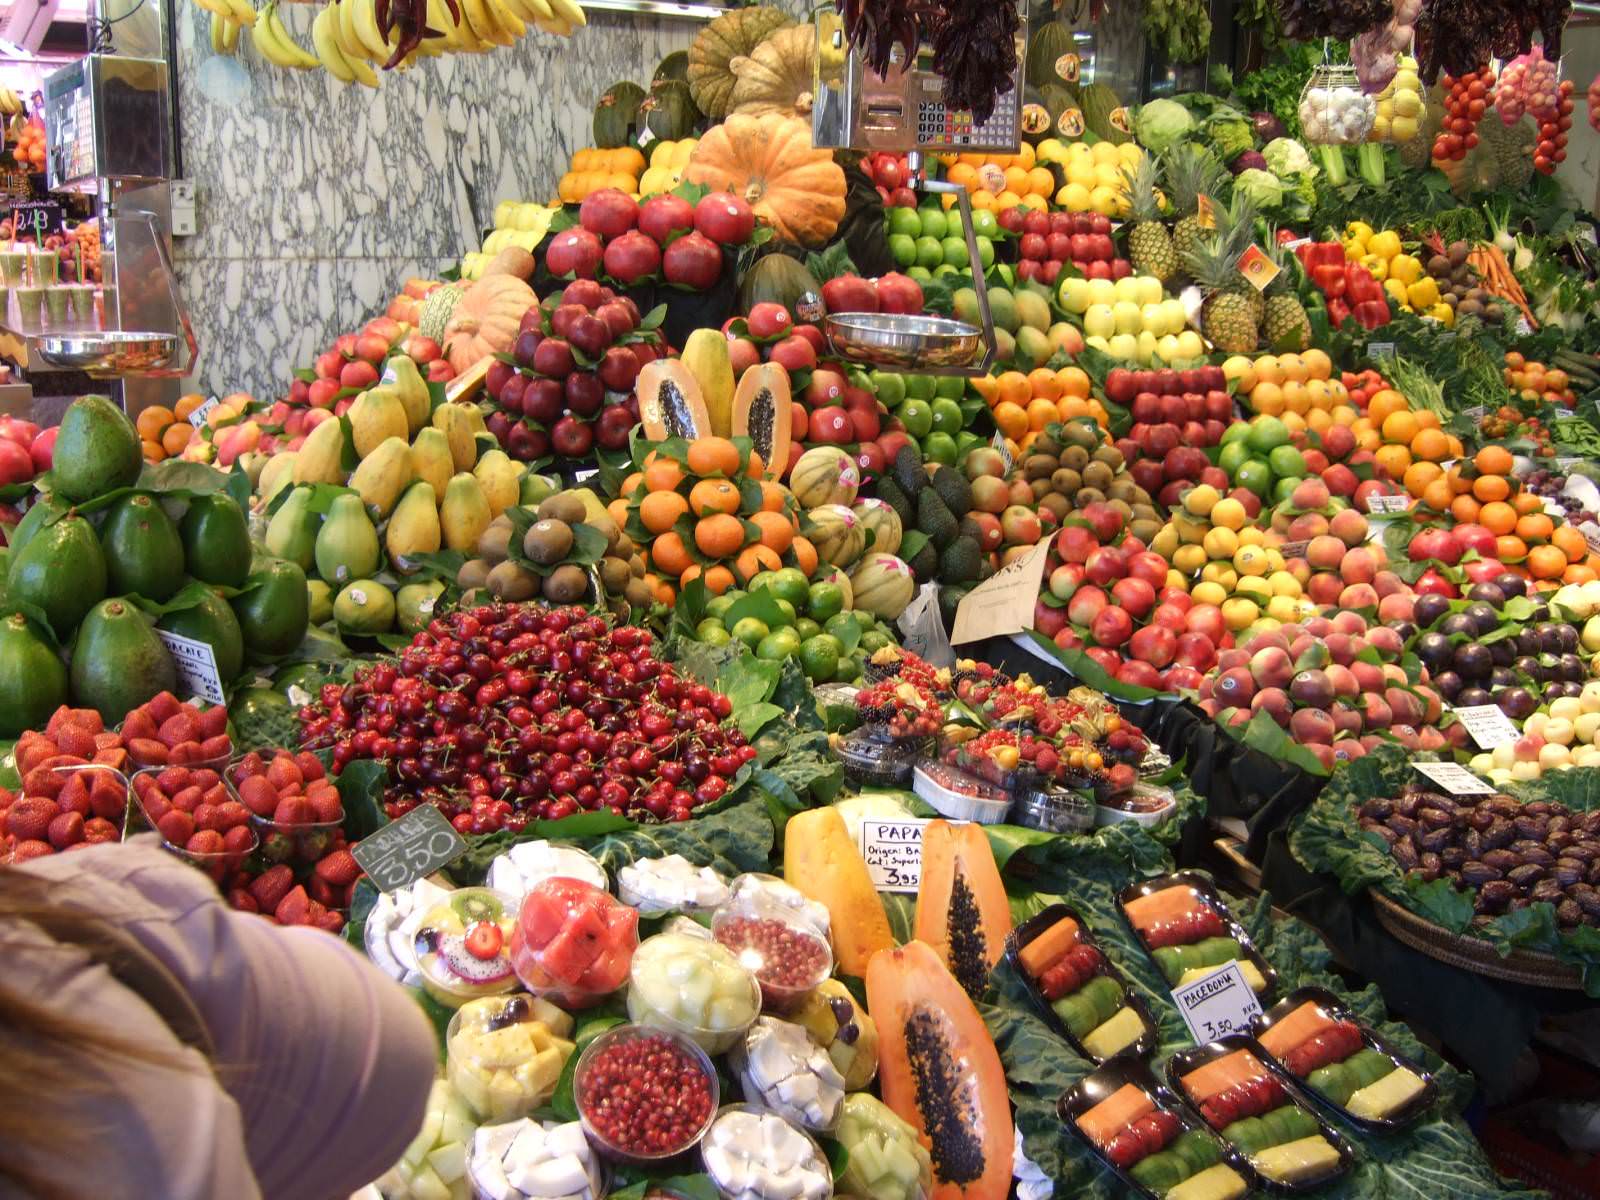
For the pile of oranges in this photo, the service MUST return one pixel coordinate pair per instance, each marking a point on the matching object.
(166, 432)
(1482, 491)
(1299, 389)
(1533, 381)
(1403, 439)
(1023, 405)
(998, 183)
(29, 148)
(706, 513)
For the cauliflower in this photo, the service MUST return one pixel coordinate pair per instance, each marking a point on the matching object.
(1285, 156)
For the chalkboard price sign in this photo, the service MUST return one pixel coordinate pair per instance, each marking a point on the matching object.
(36, 218)
(405, 850)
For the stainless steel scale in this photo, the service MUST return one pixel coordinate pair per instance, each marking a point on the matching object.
(904, 113)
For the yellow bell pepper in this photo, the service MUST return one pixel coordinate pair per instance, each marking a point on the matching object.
(1358, 231)
(1407, 268)
(1424, 293)
(1385, 244)
(1354, 251)
(1377, 265)
(1443, 313)
(1396, 291)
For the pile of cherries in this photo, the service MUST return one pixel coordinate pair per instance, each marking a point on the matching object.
(503, 713)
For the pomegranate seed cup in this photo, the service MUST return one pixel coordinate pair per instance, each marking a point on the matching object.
(644, 1095)
(788, 956)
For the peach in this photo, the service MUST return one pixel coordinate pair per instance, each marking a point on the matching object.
(1312, 725)
(1324, 589)
(1430, 738)
(1407, 709)
(1274, 701)
(1346, 719)
(1397, 606)
(1348, 749)
(1375, 711)
(1393, 674)
(1388, 583)
(1325, 552)
(1358, 595)
(991, 495)
(1341, 648)
(1268, 637)
(1271, 667)
(1309, 493)
(1318, 627)
(1307, 526)
(1228, 659)
(1407, 735)
(1349, 526)
(1349, 622)
(1386, 641)
(1343, 680)
(1358, 566)
(1324, 754)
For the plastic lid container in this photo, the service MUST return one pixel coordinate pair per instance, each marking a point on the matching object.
(759, 887)
(502, 1058)
(282, 841)
(873, 760)
(527, 863)
(145, 787)
(693, 986)
(463, 946)
(754, 1154)
(960, 796)
(782, 1069)
(611, 1068)
(391, 929)
(671, 884)
(787, 954)
(1054, 810)
(1143, 804)
(526, 1160)
(572, 942)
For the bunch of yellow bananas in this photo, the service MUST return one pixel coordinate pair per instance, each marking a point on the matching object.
(10, 103)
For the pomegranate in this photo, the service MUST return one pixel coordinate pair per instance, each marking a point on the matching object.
(573, 251)
(849, 293)
(725, 218)
(632, 257)
(662, 216)
(608, 213)
(694, 261)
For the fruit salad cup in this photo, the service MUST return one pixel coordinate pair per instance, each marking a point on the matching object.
(506, 1054)
(464, 947)
(572, 942)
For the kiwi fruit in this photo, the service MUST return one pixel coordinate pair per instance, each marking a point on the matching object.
(1110, 456)
(636, 566)
(563, 506)
(548, 539)
(1144, 528)
(1045, 443)
(474, 573)
(1066, 481)
(1041, 489)
(512, 582)
(473, 907)
(1089, 495)
(1057, 504)
(614, 574)
(494, 543)
(566, 584)
(1038, 466)
(1122, 489)
(1121, 506)
(1075, 458)
(1097, 475)
(638, 592)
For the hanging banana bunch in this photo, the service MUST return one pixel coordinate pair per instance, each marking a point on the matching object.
(277, 45)
(10, 103)
(224, 34)
(237, 11)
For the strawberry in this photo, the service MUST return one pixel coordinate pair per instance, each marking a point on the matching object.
(320, 890)
(217, 793)
(332, 921)
(108, 795)
(32, 848)
(271, 886)
(339, 868)
(29, 818)
(188, 799)
(213, 722)
(74, 793)
(176, 827)
(275, 847)
(173, 779)
(86, 719)
(326, 805)
(293, 908)
(292, 810)
(284, 775)
(138, 724)
(232, 814)
(43, 781)
(31, 750)
(74, 739)
(208, 816)
(7, 799)
(310, 765)
(65, 830)
(214, 748)
(98, 829)
(249, 765)
(163, 706)
(155, 808)
(107, 741)
(258, 795)
(205, 777)
(147, 752)
(184, 752)
(114, 757)
(241, 900)
(239, 839)
(204, 841)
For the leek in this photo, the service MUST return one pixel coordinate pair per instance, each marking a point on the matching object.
(1333, 164)
(1369, 158)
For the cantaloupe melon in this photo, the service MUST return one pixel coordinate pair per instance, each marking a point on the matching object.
(837, 535)
(1040, 954)
(883, 523)
(883, 585)
(1220, 1074)
(824, 475)
(1165, 905)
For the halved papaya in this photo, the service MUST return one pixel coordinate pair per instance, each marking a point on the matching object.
(670, 402)
(939, 1070)
(821, 860)
(762, 411)
(962, 911)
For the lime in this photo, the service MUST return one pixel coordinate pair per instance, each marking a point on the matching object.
(985, 223)
(778, 645)
(874, 640)
(955, 251)
(761, 580)
(1254, 474)
(939, 448)
(1235, 432)
(845, 626)
(930, 252)
(791, 586)
(849, 668)
(717, 606)
(790, 613)
(947, 416)
(709, 626)
(917, 417)
(1284, 488)
(933, 221)
(827, 601)
(891, 388)
(750, 631)
(807, 628)
(905, 222)
(1287, 462)
(713, 634)
(920, 274)
(949, 387)
(1232, 456)
(967, 442)
(920, 387)
(985, 252)
(903, 249)
(1267, 433)
(819, 657)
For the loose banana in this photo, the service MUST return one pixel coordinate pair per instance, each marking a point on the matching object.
(344, 29)
(327, 46)
(366, 26)
(224, 40)
(242, 12)
(483, 23)
(508, 20)
(531, 11)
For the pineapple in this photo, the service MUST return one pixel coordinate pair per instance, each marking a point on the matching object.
(1233, 309)
(1149, 245)
(1191, 172)
(1285, 325)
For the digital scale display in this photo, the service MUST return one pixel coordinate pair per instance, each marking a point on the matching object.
(941, 128)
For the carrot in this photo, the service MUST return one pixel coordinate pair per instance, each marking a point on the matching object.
(1496, 275)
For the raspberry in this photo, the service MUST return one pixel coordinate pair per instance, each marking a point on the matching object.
(29, 818)
(66, 829)
(271, 886)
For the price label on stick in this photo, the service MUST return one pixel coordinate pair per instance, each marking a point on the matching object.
(1388, 504)
(1217, 1004)
(1255, 266)
(1454, 778)
(198, 417)
(197, 667)
(1488, 726)
(405, 850)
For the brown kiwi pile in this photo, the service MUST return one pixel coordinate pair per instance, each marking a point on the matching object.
(1072, 466)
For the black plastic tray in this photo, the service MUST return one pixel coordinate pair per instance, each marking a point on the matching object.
(1032, 928)
(1185, 1061)
(1093, 1088)
(1209, 896)
(1339, 1011)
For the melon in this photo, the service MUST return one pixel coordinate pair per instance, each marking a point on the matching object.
(824, 475)
(762, 411)
(615, 115)
(777, 279)
(883, 585)
(1104, 115)
(883, 522)
(828, 573)
(836, 534)
(436, 310)
(1052, 56)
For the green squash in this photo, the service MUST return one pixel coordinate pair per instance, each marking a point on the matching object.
(614, 115)
(668, 112)
(674, 66)
(777, 279)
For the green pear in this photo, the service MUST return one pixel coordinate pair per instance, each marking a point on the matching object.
(347, 544)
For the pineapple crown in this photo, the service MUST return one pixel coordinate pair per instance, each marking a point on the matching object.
(1191, 172)
(1284, 281)
(1213, 263)
(1144, 201)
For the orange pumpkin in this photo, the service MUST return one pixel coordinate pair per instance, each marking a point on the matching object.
(770, 161)
(485, 320)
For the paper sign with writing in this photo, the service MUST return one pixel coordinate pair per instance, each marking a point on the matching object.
(1476, 413)
(1295, 244)
(36, 218)
(1488, 726)
(1255, 266)
(1205, 212)
(1454, 778)
(405, 850)
(197, 667)
(999, 443)
(1591, 534)
(1380, 350)
(198, 417)
(1388, 504)
(892, 851)
(1003, 603)
(1217, 1004)
(922, 628)
(1294, 549)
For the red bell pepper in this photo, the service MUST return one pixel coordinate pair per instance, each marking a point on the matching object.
(1338, 312)
(1330, 279)
(1360, 286)
(1372, 314)
(1323, 254)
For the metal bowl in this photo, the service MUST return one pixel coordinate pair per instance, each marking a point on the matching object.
(904, 341)
(109, 352)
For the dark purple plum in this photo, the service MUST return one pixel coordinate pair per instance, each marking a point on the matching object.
(1571, 668)
(1502, 677)
(1472, 660)
(1483, 616)
(1517, 703)
(1435, 649)
(1470, 697)
(1510, 585)
(1459, 623)
(1529, 666)
(1489, 594)
(1430, 608)
(1449, 685)
(1504, 652)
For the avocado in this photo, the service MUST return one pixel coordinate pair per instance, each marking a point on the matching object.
(907, 471)
(43, 511)
(33, 681)
(211, 621)
(144, 554)
(935, 519)
(892, 494)
(216, 541)
(959, 561)
(96, 451)
(273, 614)
(949, 600)
(953, 489)
(924, 563)
(118, 662)
(61, 571)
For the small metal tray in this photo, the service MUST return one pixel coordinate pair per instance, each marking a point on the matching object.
(1031, 929)
(903, 341)
(1206, 891)
(1339, 1011)
(109, 353)
(1185, 1061)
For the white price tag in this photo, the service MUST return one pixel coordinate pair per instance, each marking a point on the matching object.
(1488, 726)
(1003, 603)
(922, 628)
(999, 444)
(1380, 350)
(1296, 244)
(585, 475)
(1293, 549)
(1591, 534)
(1454, 778)
(198, 417)
(197, 666)
(1523, 327)
(1566, 464)
(893, 853)
(1388, 504)
(1475, 414)
(298, 696)
(1217, 1004)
